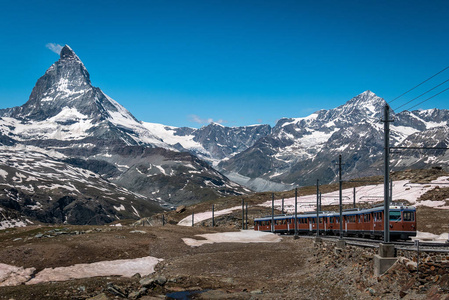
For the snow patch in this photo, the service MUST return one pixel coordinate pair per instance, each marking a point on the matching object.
(244, 236)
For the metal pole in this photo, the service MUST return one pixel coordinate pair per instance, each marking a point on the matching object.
(340, 196)
(391, 191)
(243, 214)
(282, 205)
(163, 220)
(193, 218)
(272, 212)
(386, 173)
(320, 202)
(213, 215)
(246, 215)
(317, 207)
(353, 194)
(296, 212)
(417, 257)
(324, 229)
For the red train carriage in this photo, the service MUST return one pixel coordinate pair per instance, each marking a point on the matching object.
(356, 222)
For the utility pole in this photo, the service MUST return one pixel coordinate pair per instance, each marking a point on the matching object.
(243, 214)
(317, 207)
(353, 195)
(340, 195)
(296, 213)
(213, 215)
(386, 122)
(272, 212)
(391, 191)
(246, 216)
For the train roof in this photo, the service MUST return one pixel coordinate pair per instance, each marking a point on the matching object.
(349, 212)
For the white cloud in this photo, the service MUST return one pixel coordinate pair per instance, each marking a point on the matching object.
(56, 48)
(197, 119)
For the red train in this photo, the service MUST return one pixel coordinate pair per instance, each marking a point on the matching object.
(356, 222)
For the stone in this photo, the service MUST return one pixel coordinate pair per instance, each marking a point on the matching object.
(411, 266)
(161, 280)
(147, 282)
(115, 290)
(371, 291)
(180, 209)
(101, 296)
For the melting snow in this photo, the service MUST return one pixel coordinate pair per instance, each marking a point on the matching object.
(187, 221)
(11, 275)
(119, 208)
(402, 190)
(244, 236)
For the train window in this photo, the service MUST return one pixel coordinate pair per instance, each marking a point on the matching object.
(395, 215)
(409, 216)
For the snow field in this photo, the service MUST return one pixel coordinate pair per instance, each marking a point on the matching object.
(187, 221)
(11, 275)
(244, 236)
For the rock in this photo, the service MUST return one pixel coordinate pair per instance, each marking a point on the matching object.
(161, 280)
(402, 294)
(180, 209)
(256, 292)
(134, 295)
(39, 235)
(371, 291)
(101, 296)
(136, 276)
(411, 265)
(115, 290)
(147, 282)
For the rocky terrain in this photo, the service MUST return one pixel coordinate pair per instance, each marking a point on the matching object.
(287, 269)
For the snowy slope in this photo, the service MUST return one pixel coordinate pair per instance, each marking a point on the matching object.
(301, 150)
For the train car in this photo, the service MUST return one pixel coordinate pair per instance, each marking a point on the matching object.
(356, 222)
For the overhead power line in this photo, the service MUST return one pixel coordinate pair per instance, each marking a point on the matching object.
(428, 99)
(419, 84)
(421, 94)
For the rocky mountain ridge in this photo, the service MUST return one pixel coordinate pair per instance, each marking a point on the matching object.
(66, 115)
(301, 150)
(77, 127)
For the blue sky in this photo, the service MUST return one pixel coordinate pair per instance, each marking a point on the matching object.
(185, 63)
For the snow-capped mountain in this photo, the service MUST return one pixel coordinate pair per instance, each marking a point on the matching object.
(65, 114)
(69, 129)
(213, 142)
(301, 150)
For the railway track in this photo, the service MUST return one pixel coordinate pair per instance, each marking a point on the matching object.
(401, 245)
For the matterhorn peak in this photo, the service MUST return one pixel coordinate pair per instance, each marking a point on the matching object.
(67, 52)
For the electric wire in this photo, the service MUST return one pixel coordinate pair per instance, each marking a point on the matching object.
(419, 84)
(421, 95)
(428, 99)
